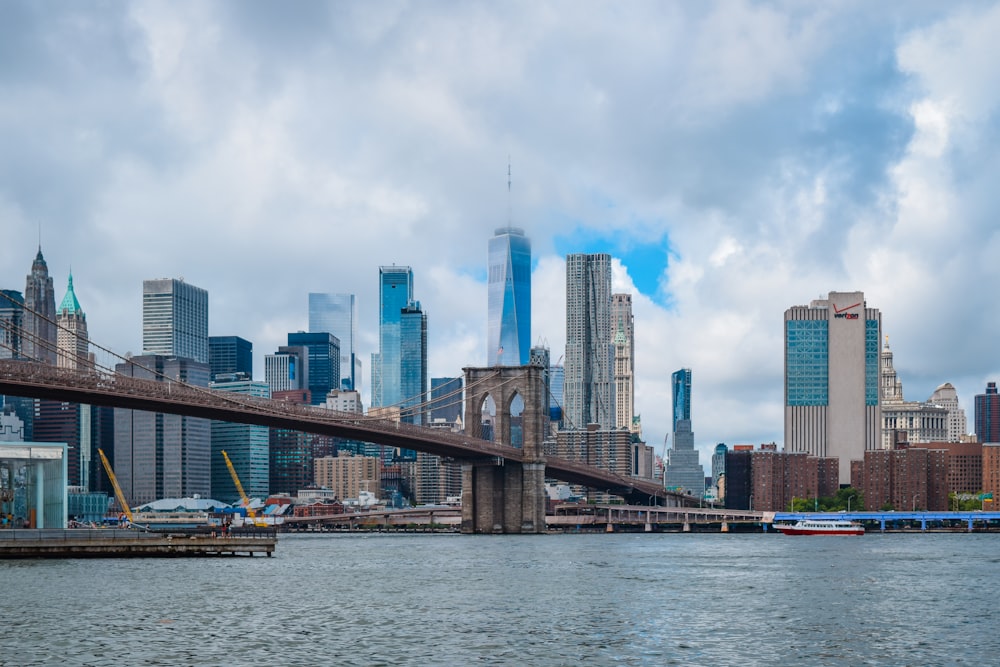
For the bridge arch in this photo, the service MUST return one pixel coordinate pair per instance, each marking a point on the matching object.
(506, 384)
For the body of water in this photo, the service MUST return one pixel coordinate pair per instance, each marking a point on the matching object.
(622, 599)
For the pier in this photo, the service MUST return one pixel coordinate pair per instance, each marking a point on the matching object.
(122, 543)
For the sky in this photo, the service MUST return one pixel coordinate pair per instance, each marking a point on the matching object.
(736, 158)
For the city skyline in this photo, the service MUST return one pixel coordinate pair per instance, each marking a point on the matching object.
(774, 171)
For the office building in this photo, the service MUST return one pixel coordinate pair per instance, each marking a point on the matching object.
(287, 369)
(159, 455)
(609, 449)
(228, 355)
(683, 471)
(903, 421)
(947, 397)
(557, 383)
(72, 340)
(624, 363)
(832, 378)
(988, 414)
(680, 383)
(11, 324)
(324, 362)
(413, 364)
(342, 400)
(338, 314)
(719, 463)
(589, 376)
(247, 446)
(174, 319)
(347, 476)
(446, 399)
(39, 339)
(508, 332)
(395, 294)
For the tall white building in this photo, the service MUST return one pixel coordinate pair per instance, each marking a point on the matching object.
(832, 406)
(588, 390)
(623, 339)
(946, 396)
(905, 421)
(174, 319)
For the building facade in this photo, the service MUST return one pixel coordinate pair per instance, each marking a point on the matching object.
(347, 476)
(446, 399)
(228, 355)
(413, 364)
(338, 314)
(508, 330)
(623, 339)
(832, 384)
(72, 340)
(588, 390)
(158, 455)
(395, 293)
(287, 369)
(904, 479)
(11, 324)
(247, 446)
(988, 414)
(174, 319)
(39, 339)
(323, 350)
(947, 397)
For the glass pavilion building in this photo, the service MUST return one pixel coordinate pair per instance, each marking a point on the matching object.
(508, 338)
(832, 405)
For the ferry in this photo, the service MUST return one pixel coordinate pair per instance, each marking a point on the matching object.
(822, 527)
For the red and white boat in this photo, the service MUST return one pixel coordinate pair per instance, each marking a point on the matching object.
(821, 527)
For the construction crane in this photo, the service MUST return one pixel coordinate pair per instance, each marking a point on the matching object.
(118, 490)
(239, 489)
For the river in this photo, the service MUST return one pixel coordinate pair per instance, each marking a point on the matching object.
(598, 599)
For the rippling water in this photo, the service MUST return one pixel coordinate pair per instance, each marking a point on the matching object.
(657, 599)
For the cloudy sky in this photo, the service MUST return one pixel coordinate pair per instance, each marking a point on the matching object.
(736, 158)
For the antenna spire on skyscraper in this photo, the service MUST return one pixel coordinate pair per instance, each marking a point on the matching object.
(509, 222)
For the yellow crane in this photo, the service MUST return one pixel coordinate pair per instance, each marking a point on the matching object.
(239, 489)
(118, 490)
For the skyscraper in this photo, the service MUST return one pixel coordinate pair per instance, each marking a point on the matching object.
(39, 340)
(623, 339)
(324, 362)
(245, 444)
(395, 293)
(446, 399)
(228, 355)
(72, 340)
(988, 414)
(413, 363)
(157, 455)
(680, 382)
(832, 406)
(174, 319)
(683, 471)
(11, 324)
(338, 314)
(508, 337)
(946, 396)
(589, 386)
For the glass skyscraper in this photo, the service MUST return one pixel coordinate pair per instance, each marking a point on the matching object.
(413, 363)
(174, 319)
(338, 314)
(228, 355)
(246, 445)
(681, 383)
(395, 287)
(832, 406)
(508, 338)
(589, 379)
(324, 362)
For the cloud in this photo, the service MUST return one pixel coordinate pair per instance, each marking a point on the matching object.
(736, 157)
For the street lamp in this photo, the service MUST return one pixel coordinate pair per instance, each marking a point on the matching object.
(849, 498)
(915, 496)
(751, 503)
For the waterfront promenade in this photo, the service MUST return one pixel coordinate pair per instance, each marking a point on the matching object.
(121, 543)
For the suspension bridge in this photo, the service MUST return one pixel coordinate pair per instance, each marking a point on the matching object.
(503, 486)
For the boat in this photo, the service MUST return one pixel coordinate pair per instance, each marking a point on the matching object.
(822, 527)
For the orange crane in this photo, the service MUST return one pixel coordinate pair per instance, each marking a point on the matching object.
(239, 489)
(118, 490)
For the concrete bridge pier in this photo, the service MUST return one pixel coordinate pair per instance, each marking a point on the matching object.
(506, 497)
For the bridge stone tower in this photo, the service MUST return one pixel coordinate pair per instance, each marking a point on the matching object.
(506, 497)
